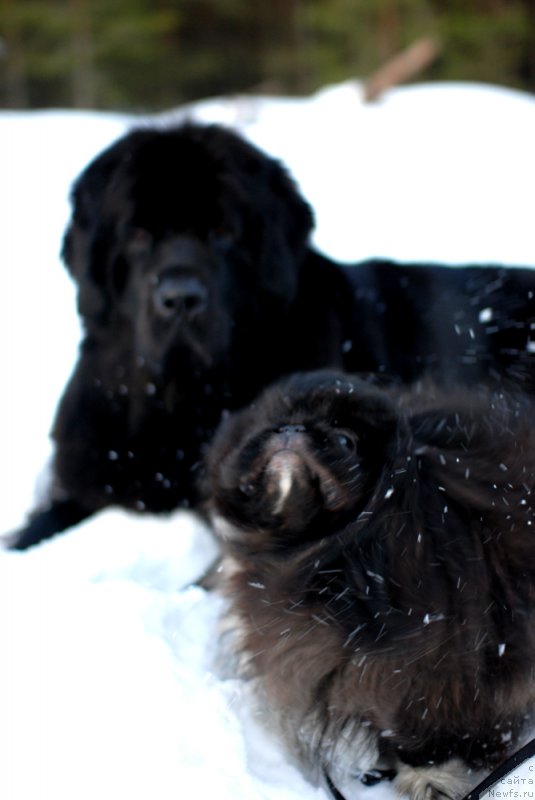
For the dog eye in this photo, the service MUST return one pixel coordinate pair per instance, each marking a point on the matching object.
(346, 440)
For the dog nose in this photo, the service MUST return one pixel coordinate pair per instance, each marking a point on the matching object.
(176, 295)
(289, 435)
(291, 429)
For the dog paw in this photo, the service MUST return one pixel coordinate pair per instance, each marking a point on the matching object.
(451, 780)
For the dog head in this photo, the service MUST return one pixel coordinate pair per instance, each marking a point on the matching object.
(180, 231)
(300, 462)
(322, 453)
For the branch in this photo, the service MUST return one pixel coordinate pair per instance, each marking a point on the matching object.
(402, 67)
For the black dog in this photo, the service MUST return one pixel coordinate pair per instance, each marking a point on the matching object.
(197, 288)
(379, 561)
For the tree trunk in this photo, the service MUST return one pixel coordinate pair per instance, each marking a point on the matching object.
(389, 33)
(83, 73)
(530, 49)
(11, 53)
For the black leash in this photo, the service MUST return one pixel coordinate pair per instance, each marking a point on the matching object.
(518, 758)
(374, 776)
(333, 791)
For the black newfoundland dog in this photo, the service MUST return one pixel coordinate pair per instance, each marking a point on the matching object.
(379, 561)
(197, 287)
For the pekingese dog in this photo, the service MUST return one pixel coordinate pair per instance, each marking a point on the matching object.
(379, 561)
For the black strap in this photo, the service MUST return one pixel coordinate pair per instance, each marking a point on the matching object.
(524, 754)
(333, 791)
(372, 777)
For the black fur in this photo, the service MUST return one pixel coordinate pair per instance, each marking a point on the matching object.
(380, 569)
(197, 287)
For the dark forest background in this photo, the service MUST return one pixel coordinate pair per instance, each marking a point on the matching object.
(152, 54)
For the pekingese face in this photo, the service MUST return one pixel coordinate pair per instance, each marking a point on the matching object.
(301, 461)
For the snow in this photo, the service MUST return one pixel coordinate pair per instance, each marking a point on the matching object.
(109, 683)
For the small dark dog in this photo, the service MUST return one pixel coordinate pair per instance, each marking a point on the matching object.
(380, 566)
(197, 288)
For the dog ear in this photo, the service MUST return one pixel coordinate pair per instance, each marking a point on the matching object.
(90, 242)
(478, 446)
(89, 255)
(286, 225)
(276, 219)
(92, 297)
(283, 225)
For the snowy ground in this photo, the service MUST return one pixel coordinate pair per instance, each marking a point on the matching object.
(107, 680)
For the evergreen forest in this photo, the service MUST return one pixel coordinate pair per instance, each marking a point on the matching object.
(146, 55)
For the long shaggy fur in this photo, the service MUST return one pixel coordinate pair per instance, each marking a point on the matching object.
(380, 570)
(197, 287)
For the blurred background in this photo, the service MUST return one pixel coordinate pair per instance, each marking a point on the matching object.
(147, 55)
